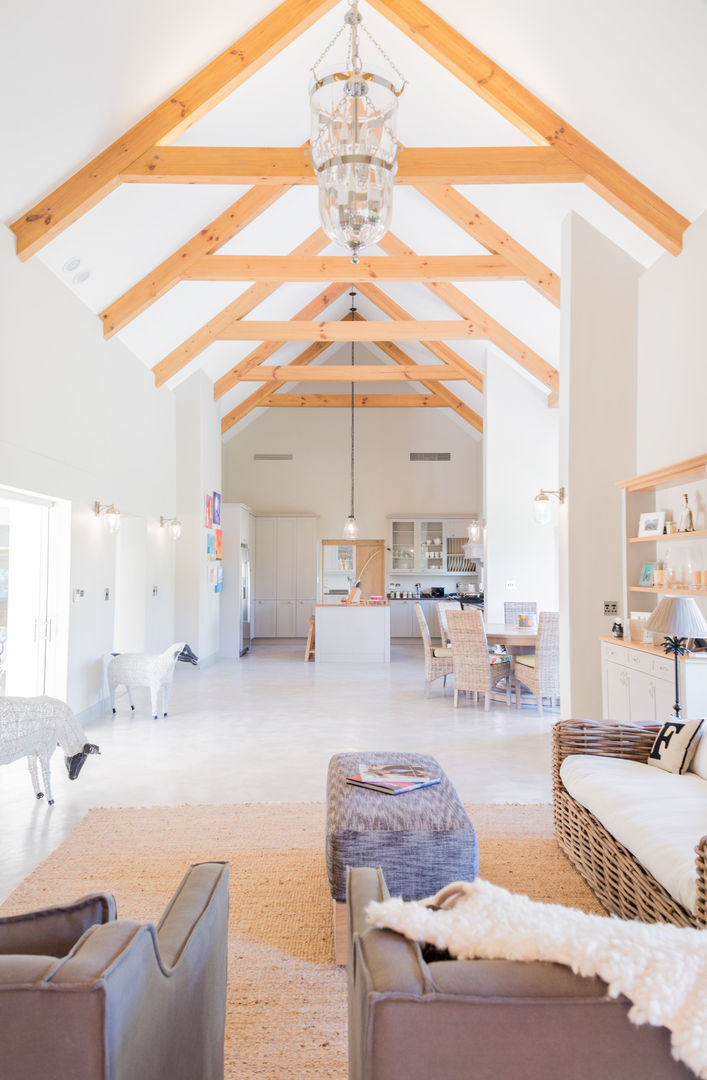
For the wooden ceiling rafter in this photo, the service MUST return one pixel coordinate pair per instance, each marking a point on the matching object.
(289, 268)
(485, 231)
(311, 330)
(315, 307)
(259, 397)
(412, 372)
(166, 122)
(178, 358)
(291, 165)
(490, 328)
(535, 119)
(439, 349)
(361, 401)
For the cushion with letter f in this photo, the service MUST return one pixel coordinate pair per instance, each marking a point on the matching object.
(675, 745)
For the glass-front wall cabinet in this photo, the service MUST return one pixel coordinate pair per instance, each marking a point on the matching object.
(425, 546)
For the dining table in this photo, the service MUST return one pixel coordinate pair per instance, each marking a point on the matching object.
(511, 634)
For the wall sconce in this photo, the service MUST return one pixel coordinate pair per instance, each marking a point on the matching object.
(174, 525)
(111, 516)
(475, 531)
(542, 507)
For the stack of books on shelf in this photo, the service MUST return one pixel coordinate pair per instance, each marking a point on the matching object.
(394, 779)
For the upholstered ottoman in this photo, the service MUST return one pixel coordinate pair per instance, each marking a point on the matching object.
(422, 840)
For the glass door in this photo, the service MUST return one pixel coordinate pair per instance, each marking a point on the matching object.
(25, 628)
(403, 547)
(432, 541)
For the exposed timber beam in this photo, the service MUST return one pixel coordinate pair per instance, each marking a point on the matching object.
(463, 213)
(361, 401)
(280, 268)
(266, 348)
(259, 397)
(291, 165)
(300, 330)
(364, 372)
(208, 240)
(490, 328)
(245, 303)
(165, 123)
(535, 119)
(439, 349)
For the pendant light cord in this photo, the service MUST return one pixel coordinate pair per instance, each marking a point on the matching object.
(352, 294)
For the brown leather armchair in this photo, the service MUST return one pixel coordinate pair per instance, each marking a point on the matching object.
(86, 996)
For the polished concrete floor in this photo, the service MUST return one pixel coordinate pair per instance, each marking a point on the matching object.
(262, 729)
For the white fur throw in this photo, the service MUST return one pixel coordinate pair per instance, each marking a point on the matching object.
(661, 968)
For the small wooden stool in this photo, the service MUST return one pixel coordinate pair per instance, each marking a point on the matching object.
(309, 650)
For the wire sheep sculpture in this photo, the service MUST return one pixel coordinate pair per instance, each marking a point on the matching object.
(154, 670)
(33, 728)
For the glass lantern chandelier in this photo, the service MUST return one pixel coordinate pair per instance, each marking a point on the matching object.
(354, 145)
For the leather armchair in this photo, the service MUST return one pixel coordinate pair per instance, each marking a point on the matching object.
(86, 996)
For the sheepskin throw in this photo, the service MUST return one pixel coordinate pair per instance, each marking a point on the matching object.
(660, 968)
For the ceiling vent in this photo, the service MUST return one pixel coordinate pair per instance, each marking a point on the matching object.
(431, 457)
(272, 457)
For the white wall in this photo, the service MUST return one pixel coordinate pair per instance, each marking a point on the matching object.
(599, 315)
(80, 420)
(198, 474)
(521, 456)
(672, 356)
(387, 482)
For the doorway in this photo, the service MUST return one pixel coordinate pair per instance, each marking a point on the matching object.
(346, 562)
(34, 568)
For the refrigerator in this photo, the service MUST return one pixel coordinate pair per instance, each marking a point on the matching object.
(244, 632)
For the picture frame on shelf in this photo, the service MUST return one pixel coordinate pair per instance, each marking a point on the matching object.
(652, 523)
(647, 574)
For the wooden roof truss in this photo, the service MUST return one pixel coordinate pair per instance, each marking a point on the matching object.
(144, 154)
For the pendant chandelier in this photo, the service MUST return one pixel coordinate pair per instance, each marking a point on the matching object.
(354, 145)
(351, 531)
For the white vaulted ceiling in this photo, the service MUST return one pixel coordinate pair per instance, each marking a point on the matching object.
(630, 77)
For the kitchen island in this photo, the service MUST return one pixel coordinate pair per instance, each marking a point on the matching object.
(352, 633)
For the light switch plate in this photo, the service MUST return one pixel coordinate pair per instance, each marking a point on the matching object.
(510, 586)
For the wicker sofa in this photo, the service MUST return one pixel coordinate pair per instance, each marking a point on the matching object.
(621, 883)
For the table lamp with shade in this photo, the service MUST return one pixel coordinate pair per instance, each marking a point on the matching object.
(678, 618)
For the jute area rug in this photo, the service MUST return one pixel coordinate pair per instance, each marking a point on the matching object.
(286, 1012)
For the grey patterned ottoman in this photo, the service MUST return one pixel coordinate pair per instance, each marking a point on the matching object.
(422, 840)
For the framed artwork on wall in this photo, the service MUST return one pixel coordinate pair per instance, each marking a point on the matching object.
(210, 545)
(208, 511)
(651, 524)
(219, 536)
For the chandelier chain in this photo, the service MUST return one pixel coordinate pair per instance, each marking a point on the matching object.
(384, 54)
(352, 294)
(333, 41)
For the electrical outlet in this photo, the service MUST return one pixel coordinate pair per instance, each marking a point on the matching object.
(107, 594)
(611, 607)
(510, 586)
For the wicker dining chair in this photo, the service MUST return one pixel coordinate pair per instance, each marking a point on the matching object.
(475, 668)
(438, 661)
(513, 608)
(443, 606)
(540, 671)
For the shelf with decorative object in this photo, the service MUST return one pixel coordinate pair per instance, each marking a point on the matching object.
(658, 562)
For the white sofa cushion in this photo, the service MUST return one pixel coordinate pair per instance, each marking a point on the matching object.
(699, 762)
(659, 816)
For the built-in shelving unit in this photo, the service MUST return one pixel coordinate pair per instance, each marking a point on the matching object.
(678, 554)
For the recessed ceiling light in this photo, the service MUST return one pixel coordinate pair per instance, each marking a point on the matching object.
(71, 264)
(83, 275)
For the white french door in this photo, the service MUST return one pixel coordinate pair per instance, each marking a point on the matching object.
(28, 602)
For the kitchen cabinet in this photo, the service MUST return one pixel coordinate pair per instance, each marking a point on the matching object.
(432, 546)
(638, 683)
(403, 619)
(263, 619)
(285, 574)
